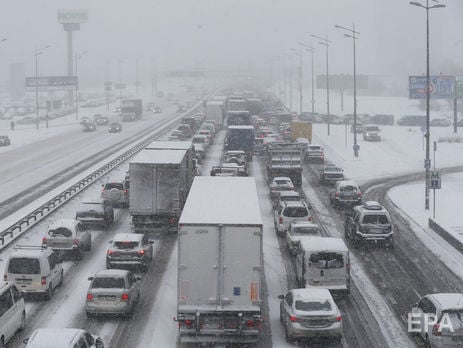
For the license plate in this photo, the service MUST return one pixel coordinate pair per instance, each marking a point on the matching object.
(107, 298)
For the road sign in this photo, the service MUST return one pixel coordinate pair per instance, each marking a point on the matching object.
(427, 164)
(52, 82)
(356, 147)
(435, 180)
(440, 87)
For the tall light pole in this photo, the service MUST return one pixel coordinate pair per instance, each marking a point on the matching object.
(137, 83)
(427, 160)
(108, 84)
(325, 42)
(36, 53)
(291, 83)
(119, 61)
(353, 35)
(299, 53)
(311, 50)
(77, 57)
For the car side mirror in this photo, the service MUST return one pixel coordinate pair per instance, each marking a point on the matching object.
(309, 206)
(151, 241)
(90, 278)
(281, 297)
(138, 278)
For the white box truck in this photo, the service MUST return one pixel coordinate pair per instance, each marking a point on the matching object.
(215, 112)
(160, 179)
(220, 263)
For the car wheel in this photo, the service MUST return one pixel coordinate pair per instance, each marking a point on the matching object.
(61, 279)
(22, 326)
(108, 265)
(89, 315)
(2, 342)
(49, 292)
(427, 343)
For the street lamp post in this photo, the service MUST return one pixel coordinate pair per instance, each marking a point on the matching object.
(427, 160)
(36, 53)
(77, 57)
(353, 35)
(311, 50)
(298, 52)
(325, 42)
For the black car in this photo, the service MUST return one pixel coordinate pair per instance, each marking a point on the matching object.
(89, 127)
(115, 127)
(4, 140)
(102, 121)
(412, 120)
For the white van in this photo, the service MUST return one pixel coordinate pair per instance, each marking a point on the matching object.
(34, 270)
(12, 312)
(323, 262)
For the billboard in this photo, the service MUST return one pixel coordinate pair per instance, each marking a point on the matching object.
(440, 87)
(72, 16)
(342, 81)
(57, 83)
(458, 87)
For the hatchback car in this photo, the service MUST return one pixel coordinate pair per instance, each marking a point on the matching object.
(310, 314)
(115, 127)
(12, 312)
(112, 291)
(5, 140)
(345, 193)
(117, 193)
(66, 236)
(62, 338)
(288, 212)
(279, 184)
(371, 133)
(438, 319)
(130, 249)
(298, 230)
(286, 196)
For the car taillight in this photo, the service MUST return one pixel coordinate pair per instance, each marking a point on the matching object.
(125, 297)
(43, 281)
(89, 297)
(44, 240)
(436, 331)
(188, 322)
(172, 221)
(249, 323)
(339, 318)
(336, 194)
(292, 318)
(280, 220)
(141, 252)
(309, 219)
(75, 241)
(109, 252)
(359, 195)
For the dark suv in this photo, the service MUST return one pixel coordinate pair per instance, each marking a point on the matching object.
(369, 222)
(117, 193)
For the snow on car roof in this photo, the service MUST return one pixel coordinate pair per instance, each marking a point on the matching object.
(119, 237)
(53, 337)
(68, 223)
(156, 156)
(111, 273)
(347, 182)
(173, 145)
(222, 200)
(305, 293)
(241, 127)
(449, 300)
(323, 243)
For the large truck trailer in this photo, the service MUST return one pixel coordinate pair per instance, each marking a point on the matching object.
(220, 263)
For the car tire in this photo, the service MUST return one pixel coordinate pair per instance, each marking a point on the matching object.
(2, 342)
(108, 265)
(22, 325)
(61, 279)
(427, 343)
(89, 315)
(49, 292)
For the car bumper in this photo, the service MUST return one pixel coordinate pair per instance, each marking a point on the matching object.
(108, 308)
(371, 237)
(299, 331)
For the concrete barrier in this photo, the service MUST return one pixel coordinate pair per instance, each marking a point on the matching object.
(445, 234)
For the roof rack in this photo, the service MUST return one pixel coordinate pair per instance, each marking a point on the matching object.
(29, 247)
(372, 205)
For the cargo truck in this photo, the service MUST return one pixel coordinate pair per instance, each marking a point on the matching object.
(240, 138)
(131, 109)
(284, 159)
(214, 112)
(160, 179)
(301, 129)
(220, 263)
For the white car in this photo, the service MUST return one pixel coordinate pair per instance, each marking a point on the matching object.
(288, 212)
(447, 310)
(280, 183)
(310, 313)
(62, 338)
(12, 312)
(298, 230)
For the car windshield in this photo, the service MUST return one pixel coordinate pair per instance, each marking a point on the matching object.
(126, 245)
(282, 182)
(60, 231)
(348, 188)
(114, 185)
(24, 265)
(305, 231)
(295, 212)
(108, 282)
(312, 306)
(375, 219)
(325, 260)
(371, 128)
(455, 316)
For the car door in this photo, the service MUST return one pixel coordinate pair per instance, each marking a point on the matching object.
(55, 269)
(7, 315)
(424, 306)
(285, 309)
(133, 289)
(18, 308)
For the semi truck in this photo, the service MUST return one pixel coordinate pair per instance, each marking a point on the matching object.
(160, 179)
(301, 129)
(214, 112)
(131, 109)
(284, 159)
(220, 263)
(240, 138)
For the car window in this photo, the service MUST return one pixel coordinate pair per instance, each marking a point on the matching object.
(306, 231)
(60, 231)
(6, 302)
(326, 260)
(23, 265)
(89, 339)
(295, 212)
(348, 188)
(108, 283)
(426, 305)
(375, 219)
(310, 306)
(15, 293)
(52, 261)
(289, 299)
(126, 245)
(115, 185)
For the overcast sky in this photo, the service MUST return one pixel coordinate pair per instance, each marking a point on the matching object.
(230, 34)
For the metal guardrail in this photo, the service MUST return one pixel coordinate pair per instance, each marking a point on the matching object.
(17, 229)
(445, 235)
